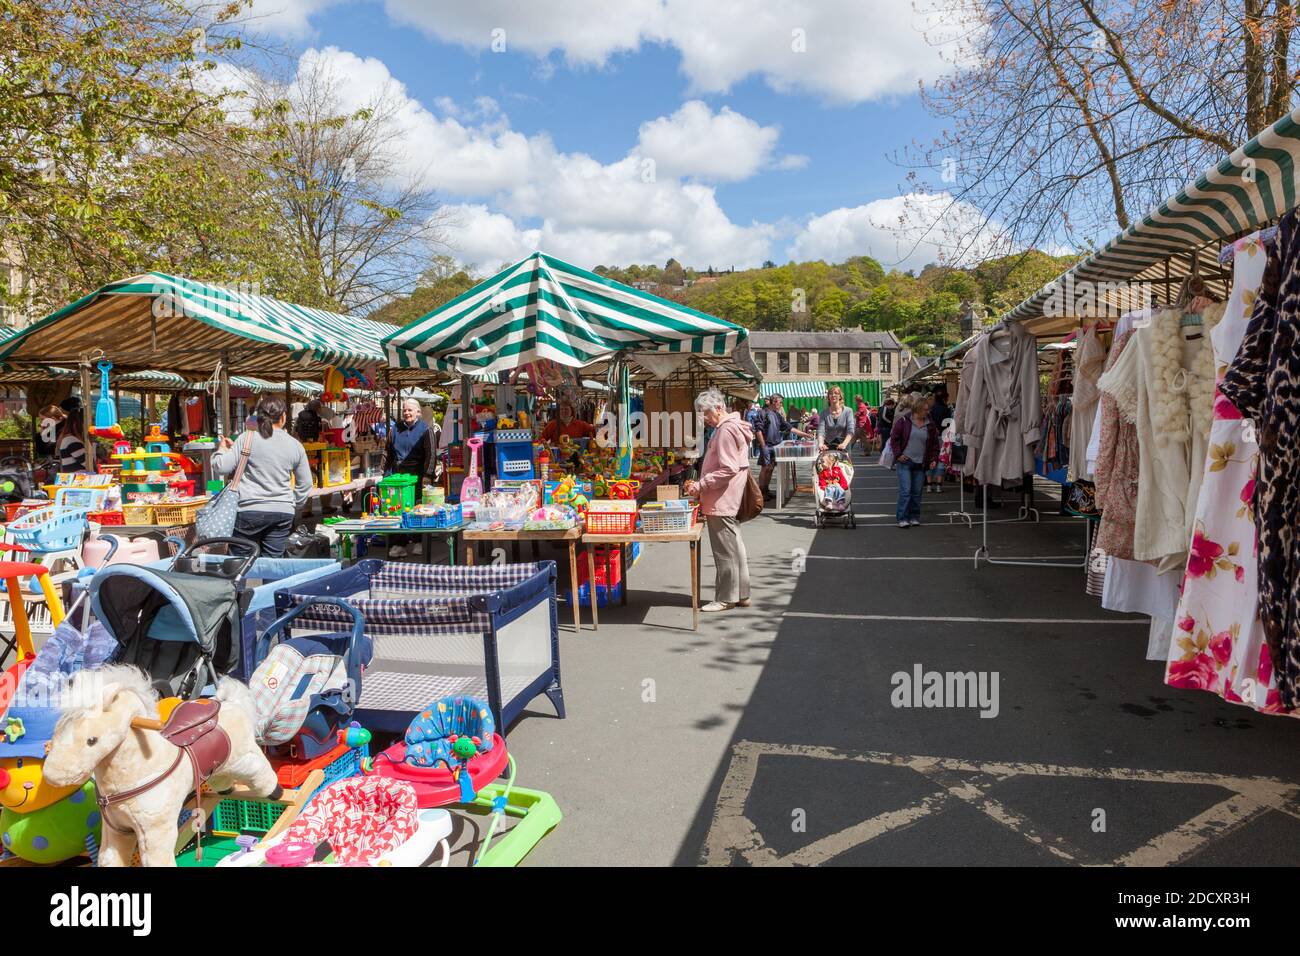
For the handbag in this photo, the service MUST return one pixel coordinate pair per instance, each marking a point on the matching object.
(751, 502)
(216, 519)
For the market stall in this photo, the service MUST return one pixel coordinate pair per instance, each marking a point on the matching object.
(1159, 415)
(210, 348)
(543, 330)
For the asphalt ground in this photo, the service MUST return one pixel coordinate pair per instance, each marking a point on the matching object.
(771, 735)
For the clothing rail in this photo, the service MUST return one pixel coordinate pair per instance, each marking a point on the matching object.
(982, 552)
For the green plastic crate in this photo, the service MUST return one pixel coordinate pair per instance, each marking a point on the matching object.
(245, 816)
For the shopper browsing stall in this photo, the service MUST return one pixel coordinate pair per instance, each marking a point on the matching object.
(276, 477)
(721, 488)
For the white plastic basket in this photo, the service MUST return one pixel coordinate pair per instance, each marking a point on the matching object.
(667, 520)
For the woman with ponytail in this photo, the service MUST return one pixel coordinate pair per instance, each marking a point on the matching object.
(276, 477)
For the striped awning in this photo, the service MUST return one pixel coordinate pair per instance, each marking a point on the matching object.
(544, 308)
(1253, 186)
(156, 320)
(800, 389)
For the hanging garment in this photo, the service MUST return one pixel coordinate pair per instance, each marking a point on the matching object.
(1089, 363)
(1263, 383)
(961, 415)
(1004, 405)
(1164, 383)
(1217, 643)
(1134, 587)
(1117, 468)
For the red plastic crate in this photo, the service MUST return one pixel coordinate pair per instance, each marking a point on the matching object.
(107, 517)
(611, 522)
(604, 557)
(291, 773)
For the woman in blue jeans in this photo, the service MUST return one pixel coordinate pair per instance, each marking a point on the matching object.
(915, 444)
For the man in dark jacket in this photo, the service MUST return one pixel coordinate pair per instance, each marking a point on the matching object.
(771, 428)
(409, 452)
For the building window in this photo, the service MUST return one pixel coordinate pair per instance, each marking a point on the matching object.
(801, 363)
(760, 361)
(783, 362)
(864, 362)
(884, 363)
(823, 363)
(843, 363)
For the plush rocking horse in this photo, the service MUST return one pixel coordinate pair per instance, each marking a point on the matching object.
(144, 769)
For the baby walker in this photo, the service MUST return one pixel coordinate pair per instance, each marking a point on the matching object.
(451, 754)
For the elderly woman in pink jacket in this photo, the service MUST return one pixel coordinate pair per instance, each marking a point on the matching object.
(720, 489)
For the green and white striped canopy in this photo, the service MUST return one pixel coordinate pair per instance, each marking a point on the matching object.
(1250, 188)
(544, 308)
(797, 389)
(161, 321)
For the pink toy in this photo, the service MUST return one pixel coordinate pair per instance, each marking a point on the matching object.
(471, 490)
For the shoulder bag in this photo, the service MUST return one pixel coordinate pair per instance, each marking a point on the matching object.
(216, 519)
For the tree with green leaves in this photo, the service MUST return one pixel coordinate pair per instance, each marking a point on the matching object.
(115, 155)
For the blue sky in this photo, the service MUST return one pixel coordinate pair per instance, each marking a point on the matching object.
(611, 131)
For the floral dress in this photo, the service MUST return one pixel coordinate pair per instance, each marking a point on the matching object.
(1218, 642)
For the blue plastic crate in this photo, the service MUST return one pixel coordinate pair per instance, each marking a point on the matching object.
(449, 517)
(603, 595)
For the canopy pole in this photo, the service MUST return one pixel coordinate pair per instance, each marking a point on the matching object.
(85, 418)
(288, 389)
(223, 389)
(466, 407)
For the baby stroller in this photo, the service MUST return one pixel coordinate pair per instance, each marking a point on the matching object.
(180, 626)
(832, 489)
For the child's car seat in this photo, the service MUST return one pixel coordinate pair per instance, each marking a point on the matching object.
(429, 737)
(306, 688)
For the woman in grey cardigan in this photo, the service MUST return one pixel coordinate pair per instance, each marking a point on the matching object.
(836, 425)
(276, 478)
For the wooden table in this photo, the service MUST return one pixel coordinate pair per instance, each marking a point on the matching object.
(570, 537)
(691, 537)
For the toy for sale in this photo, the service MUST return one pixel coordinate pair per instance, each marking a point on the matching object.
(450, 755)
(363, 821)
(144, 780)
(17, 637)
(106, 425)
(471, 489)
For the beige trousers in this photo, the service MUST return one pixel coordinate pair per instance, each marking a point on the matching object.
(731, 565)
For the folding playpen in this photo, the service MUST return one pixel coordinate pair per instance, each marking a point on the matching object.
(438, 631)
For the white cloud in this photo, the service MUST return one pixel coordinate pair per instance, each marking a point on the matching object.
(844, 50)
(286, 18)
(791, 161)
(722, 147)
(494, 178)
(903, 232)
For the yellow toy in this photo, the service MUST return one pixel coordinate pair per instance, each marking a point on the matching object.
(505, 423)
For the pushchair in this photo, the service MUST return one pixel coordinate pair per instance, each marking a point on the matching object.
(833, 489)
(182, 625)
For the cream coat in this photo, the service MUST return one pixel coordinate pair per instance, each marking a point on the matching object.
(1164, 384)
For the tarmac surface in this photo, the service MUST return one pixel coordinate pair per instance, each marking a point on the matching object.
(789, 733)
